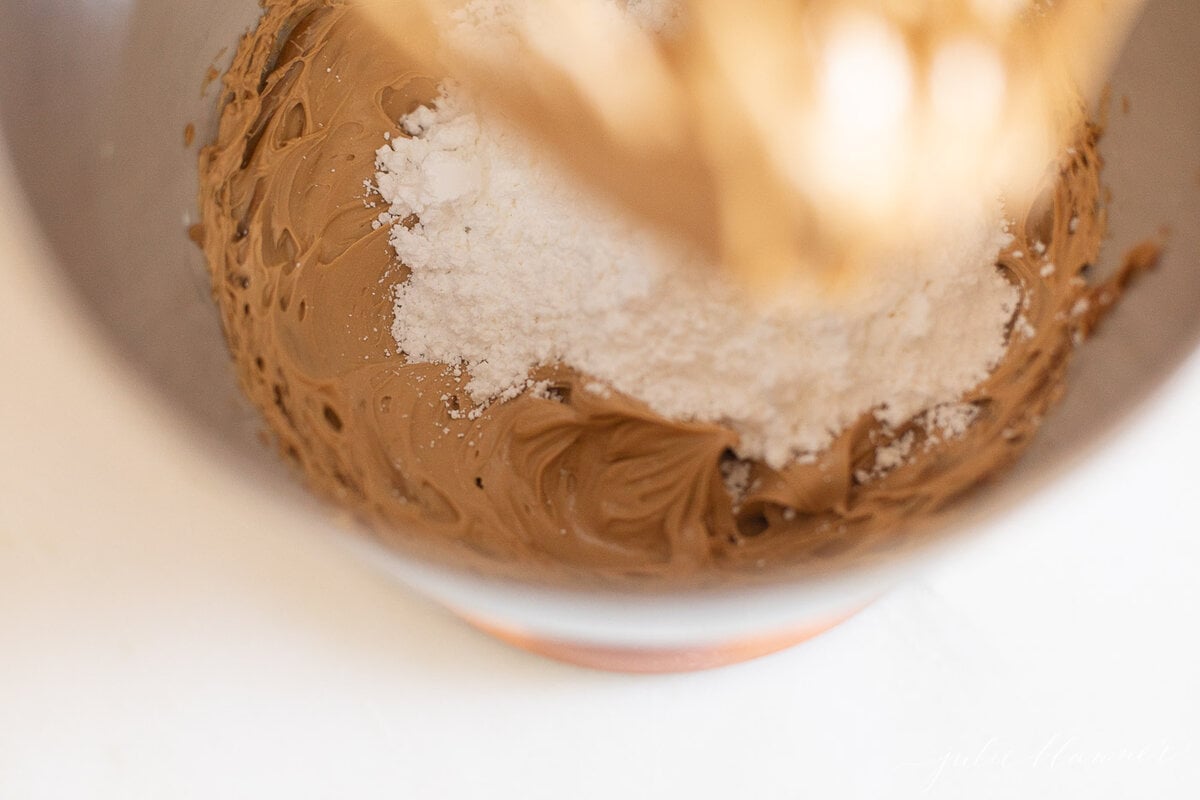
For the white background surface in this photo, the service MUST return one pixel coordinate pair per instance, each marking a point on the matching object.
(163, 636)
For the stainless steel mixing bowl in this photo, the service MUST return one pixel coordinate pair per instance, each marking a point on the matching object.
(95, 96)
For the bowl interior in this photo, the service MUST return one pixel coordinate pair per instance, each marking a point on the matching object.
(95, 98)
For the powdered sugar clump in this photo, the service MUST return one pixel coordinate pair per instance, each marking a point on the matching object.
(514, 265)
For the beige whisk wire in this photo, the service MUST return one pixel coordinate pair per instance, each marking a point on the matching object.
(791, 140)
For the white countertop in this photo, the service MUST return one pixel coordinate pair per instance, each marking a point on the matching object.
(161, 636)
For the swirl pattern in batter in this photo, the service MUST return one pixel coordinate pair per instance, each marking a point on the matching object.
(559, 485)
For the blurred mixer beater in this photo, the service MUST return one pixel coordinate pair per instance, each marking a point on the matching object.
(795, 141)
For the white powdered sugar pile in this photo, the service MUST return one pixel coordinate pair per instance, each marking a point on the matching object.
(515, 265)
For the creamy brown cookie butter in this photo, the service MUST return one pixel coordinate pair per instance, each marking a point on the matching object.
(561, 484)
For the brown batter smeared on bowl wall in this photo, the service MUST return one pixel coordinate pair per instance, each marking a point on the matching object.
(573, 488)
